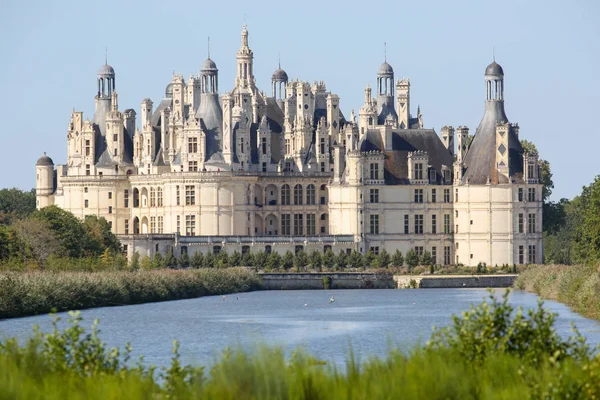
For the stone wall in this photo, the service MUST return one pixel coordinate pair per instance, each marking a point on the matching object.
(339, 280)
(454, 281)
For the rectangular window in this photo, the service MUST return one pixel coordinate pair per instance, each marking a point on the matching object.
(520, 194)
(446, 195)
(298, 225)
(434, 224)
(374, 195)
(160, 197)
(530, 171)
(152, 224)
(418, 171)
(115, 137)
(192, 145)
(447, 255)
(190, 225)
(419, 251)
(433, 196)
(110, 209)
(86, 203)
(263, 145)
(190, 195)
(160, 224)
(178, 224)
(531, 194)
(374, 250)
(419, 224)
(531, 254)
(406, 222)
(521, 223)
(152, 197)
(521, 255)
(114, 152)
(374, 224)
(178, 196)
(193, 166)
(264, 167)
(322, 167)
(311, 223)
(456, 195)
(87, 148)
(126, 198)
(374, 170)
(446, 223)
(433, 255)
(109, 195)
(418, 195)
(85, 189)
(87, 169)
(127, 227)
(531, 223)
(285, 224)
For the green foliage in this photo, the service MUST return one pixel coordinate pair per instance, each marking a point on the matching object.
(355, 260)
(158, 261)
(209, 260)
(426, 258)
(300, 261)
(316, 260)
(329, 259)
(41, 292)
(260, 259)
(235, 260)
(481, 268)
(287, 261)
(134, 263)
(16, 204)
(397, 259)
(247, 259)
(274, 261)
(341, 260)
(412, 259)
(197, 260)
(222, 259)
(184, 260)
(170, 260)
(383, 259)
(368, 258)
(326, 282)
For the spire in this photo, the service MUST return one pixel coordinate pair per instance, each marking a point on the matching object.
(385, 51)
(209, 47)
(279, 60)
(106, 55)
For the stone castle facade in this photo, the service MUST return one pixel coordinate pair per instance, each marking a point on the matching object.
(201, 171)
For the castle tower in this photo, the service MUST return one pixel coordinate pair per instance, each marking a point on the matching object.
(279, 82)
(114, 131)
(385, 93)
(448, 138)
(367, 115)
(245, 73)
(403, 102)
(106, 81)
(44, 184)
(209, 76)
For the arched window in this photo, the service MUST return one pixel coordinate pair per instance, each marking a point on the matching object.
(136, 197)
(310, 194)
(285, 195)
(298, 194)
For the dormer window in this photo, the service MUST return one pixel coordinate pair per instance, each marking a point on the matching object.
(418, 171)
(374, 171)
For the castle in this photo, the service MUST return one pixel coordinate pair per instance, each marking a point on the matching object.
(247, 171)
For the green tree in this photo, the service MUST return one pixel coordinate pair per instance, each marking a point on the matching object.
(235, 260)
(300, 260)
(369, 258)
(247, 259)
(397, 259)
(68, 230)
(341, 260)
(99, 236)
(586, 243)
(184, 260)
(426, 258)
(273, 261)
(383, 259)
(16, 204)
(38, 238)
(134, 264)
(222, 259)
(158, 261)
(209, 260)
(355, 260)
(287, 260)
(411, 259)
(197, 260)
(146, 263)
(170, 260)
(260, 259)
(328, 259)
(316, 260)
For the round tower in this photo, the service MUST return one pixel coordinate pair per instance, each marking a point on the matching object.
(106, 81)
(385, 93)
(44, 183)
(210, 77)
(494, 82)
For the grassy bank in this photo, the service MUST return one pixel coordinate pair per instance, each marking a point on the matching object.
(490, 352)
(30, 293)
(578, 286)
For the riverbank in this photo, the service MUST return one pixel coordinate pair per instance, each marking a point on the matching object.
(31, 293)
(577, 286)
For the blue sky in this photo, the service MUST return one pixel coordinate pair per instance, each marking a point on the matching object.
(549, 51)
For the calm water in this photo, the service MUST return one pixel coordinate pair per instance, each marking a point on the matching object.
(370, 320)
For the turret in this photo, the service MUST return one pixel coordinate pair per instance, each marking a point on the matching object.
(245, 74)
(44, 184)
(448, 138)
(385, 93)
(279, 82)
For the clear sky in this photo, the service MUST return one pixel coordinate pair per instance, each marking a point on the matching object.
(549, 50)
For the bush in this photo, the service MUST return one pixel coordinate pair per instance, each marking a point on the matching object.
(397, 259)
(412, 259)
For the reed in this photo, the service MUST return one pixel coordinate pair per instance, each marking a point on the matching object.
(31, 293)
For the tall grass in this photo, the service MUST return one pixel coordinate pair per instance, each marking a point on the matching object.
(30, 293)
(578, 286)
(509, 358)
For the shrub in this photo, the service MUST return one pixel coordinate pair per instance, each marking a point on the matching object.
(412, 259)
(397, 259)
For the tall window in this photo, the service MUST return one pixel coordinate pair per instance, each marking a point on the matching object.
(311, 224)
(190, 195)
(298, 225)
(126, 198)
(530, 171)
(160, 224)
(433, 196)
(87, 169)
(531, 223)
(406, 223)
(285, 195)
(520, 196)
(322, 146)
(374, 224)
(446, 195)
(418, 195)
(193, 166)
(418, 171)
(152, 224)
(190, 225)
(87, 148)
(434, 255)
(531, 255)
(521, 223)
(456, 195)
(159, 193)
(178, 229)
(178, 195)
(419, 224)
(419, 251)
(446, 223)
(86, 203)
(263, 145)
(288, 150)
(521, 255)
(310, 195)
(109, 195)
(374, 195)
(298, 194)
(127, 227)
(374, 170)
(531, 194)
(192, 145)
(152, 197)
(447, 255)
(434, 224)
(285, 224)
